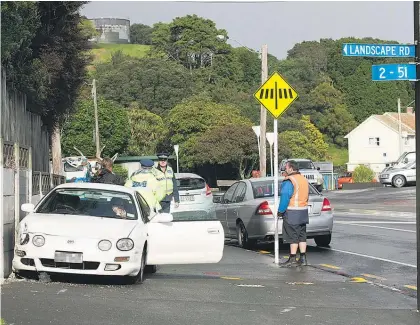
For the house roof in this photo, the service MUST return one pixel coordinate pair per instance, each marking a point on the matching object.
(391, 121)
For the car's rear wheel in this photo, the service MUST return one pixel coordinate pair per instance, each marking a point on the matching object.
(399, 181)
(323, 240)
(139, 277)
(242, 234)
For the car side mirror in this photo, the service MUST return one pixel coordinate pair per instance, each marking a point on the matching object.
(28, 207)
(163, 218)
(318, 168)
(217, 199)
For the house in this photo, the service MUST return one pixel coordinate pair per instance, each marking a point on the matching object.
(375, 142)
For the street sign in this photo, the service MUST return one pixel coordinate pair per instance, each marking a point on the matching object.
(276, 95)
(392, 72)
(379, 50)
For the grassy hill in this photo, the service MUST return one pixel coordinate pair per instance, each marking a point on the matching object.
(102, 52)
(339, 156)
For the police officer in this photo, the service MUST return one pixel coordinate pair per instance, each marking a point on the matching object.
(166, 177)
(145, 182)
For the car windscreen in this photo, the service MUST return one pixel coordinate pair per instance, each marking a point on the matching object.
(70, 168)
(90, 202)
(264, 189)
(305, 165)
(190, 183)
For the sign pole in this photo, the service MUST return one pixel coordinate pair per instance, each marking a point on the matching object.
(276, 194)
(417, 119)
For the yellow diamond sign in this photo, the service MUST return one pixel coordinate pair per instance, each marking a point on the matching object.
(276, 95)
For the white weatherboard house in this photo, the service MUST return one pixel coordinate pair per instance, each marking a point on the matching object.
(375, 142)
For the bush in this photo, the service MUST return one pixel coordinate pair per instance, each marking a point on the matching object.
(120, 171)
(363, 174)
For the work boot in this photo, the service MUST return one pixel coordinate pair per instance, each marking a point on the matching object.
(302, 260)
(290, 262)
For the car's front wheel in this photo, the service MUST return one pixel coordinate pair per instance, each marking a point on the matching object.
(139, 277)
(399, 181)
(323, 240)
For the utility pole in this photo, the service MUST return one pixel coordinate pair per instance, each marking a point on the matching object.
(263, 118)
(95, 104)
(399, 128)
(417, 118)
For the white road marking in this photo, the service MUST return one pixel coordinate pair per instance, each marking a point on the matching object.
(368, 256)
(378, 222)
(368, 226)
(61, 291)
(250, 285)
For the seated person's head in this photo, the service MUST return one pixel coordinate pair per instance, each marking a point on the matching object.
(118, 206)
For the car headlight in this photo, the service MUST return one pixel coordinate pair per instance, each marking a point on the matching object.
(38, 240)
(384, 176)
(125, 244)
(320, 179)
(24, 239)
(104, 245)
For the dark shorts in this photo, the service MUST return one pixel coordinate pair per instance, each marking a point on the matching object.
(293, 234)
(166, 206)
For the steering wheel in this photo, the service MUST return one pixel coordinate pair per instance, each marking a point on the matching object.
(65, 206)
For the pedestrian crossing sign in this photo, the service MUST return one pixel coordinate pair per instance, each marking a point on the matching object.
(276, 95)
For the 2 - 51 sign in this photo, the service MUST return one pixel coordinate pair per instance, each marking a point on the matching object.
(392, 72)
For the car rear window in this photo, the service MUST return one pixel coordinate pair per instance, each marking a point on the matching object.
(191, 183)
(263, 189)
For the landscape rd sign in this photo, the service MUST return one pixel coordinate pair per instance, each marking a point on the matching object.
(276, 95)
(379, 50)
(392, 72)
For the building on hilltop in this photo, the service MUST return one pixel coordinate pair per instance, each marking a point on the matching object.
(375, 142)
(112, 30)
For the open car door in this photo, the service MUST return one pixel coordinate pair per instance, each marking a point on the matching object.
(193, 237)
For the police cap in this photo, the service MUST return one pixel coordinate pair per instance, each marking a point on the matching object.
(147, 163)
(163, 155)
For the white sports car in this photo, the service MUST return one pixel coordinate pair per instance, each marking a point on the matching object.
(100, 229)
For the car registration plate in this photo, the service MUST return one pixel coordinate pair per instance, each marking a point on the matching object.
(187, 198)
(68, 257)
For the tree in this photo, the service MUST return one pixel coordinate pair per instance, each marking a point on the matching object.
(147, 131)
(44, 52)
(79, 129)
(141, 34)
(306, 144)
(189, 40)
(234, 144)
(363, 174)
(155, 84)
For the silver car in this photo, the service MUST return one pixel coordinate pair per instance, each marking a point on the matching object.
(246, 213)
(194, 194)
(399, 177)
(307, 169)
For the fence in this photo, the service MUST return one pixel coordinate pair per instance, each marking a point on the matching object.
(18, 185)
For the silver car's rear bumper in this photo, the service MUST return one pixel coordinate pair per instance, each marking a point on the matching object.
(263, 228)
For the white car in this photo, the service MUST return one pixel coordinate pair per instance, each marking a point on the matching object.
(194, 194)
(101, 229)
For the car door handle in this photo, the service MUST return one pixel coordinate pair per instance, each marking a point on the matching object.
(213, 231)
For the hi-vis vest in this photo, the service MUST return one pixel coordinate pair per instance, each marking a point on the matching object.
(297, 210)
(146, 184)
(165, 179)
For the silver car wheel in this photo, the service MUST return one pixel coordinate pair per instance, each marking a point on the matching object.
(398, 181)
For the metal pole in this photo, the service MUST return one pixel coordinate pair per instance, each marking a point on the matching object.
(399, 128)
(30, 175)
(271, 159)
(95, 104)
(417, 118)
(276, 195)
(16, 192)
(263, 118)
(177, 164)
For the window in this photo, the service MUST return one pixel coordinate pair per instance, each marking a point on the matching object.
(263, 189)
(228, 197)
(90, 202)
(145, 209)
(196, 215)
(190, 183)
(240, 193)
(374, 142)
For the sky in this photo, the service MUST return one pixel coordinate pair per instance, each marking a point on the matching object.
(280, 25)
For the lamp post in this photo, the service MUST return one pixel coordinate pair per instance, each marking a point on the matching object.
(256, 129)
(270, 139)
(176, 147)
